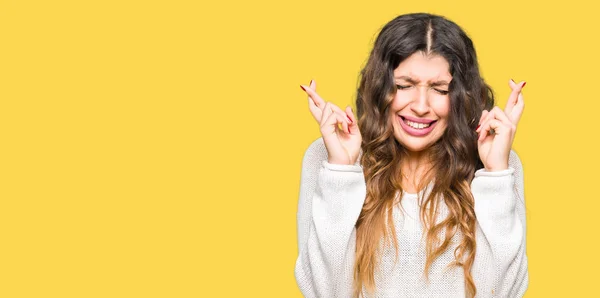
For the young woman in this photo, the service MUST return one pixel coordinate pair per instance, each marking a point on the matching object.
(419, 194)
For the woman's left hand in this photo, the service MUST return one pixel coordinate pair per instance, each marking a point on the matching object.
(497, 130)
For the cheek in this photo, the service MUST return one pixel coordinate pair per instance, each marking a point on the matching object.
(400, 100)
(442, 107)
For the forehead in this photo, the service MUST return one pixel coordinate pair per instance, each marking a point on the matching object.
(423, 67)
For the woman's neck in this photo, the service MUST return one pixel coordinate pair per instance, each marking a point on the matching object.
(414, 166)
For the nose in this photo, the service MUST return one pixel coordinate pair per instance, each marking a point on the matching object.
(420, 104)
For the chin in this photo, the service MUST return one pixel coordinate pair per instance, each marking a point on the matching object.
(414, 147)
(414, 144)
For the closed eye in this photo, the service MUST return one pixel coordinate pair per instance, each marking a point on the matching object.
(442, 92)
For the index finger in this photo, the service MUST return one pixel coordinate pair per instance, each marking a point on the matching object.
(319, 102)
(517, 110)
(513, 98)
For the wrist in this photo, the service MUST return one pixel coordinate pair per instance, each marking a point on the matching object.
(333, 161)
(485, 172)
(496, 169)
(341, 167)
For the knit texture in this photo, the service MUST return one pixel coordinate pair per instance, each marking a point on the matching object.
(331, 198)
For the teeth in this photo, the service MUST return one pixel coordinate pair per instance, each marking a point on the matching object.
(416, 125)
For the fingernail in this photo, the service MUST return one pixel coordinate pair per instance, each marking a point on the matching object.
(523, 84)
(302, 88)
(349, 118)
(512, 80)
(478, 126)
(310, 83)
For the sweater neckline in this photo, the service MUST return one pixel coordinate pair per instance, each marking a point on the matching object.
(411, 195)
(422, 192)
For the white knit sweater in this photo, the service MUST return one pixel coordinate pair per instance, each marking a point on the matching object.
(331, 198)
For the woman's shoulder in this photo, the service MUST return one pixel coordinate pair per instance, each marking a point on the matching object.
(514, 161)
(316, 151)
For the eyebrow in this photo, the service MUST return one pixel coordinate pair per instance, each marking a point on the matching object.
(413, 81)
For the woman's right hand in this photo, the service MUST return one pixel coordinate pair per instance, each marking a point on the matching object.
(339, 128)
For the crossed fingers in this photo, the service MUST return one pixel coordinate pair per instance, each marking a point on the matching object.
(498, 121)
(326, 112)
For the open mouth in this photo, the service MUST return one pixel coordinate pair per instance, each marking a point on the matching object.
(417, 127)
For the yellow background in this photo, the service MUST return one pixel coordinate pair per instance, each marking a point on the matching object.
(153, 148)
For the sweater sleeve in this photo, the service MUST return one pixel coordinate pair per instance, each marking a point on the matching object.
(500, 212)
(331, 198)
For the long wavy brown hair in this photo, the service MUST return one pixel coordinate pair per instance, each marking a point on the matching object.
(454, 156)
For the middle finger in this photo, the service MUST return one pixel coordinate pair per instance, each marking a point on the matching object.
(319, 102)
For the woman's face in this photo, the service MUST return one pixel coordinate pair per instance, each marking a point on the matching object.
(420, 108)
